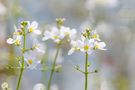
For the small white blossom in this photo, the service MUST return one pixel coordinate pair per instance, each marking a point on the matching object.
(39, 86)
(86, 45)
(38, 47)
(55, 34)
(100, 45)
(32, 27)
(17, 37)
(94, 35)
(15, 40)
(5, 86)
(31, 59)
(89, 42)
(70, 33)
(75, 47)
(58, 34)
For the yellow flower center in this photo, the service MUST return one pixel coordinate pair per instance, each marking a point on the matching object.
(86, 47)
(17, 42)
(30, 61)
(56, 37)
(96, 47)
(31, 29)
(95, 36)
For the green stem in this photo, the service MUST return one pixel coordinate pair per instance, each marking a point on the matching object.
(21, 73)
(53, 67)
(86, 72)
(22, 67)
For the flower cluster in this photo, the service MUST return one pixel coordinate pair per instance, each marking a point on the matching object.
(59, 32)
(89, 42)
(20, 38)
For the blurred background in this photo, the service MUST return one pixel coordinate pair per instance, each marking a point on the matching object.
(114, 20)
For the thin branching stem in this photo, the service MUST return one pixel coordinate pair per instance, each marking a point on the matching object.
(53, 67)
(22, 67)
(86, 72)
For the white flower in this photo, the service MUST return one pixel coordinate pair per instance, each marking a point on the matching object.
(89, 42)
(4, 85)
(94, 35)
(75, 47)
(70, 33)
(39, 86)
(33, 27)
(55, 34)
(100, 45)
(38, 47)
(17, 37)
(86, 45)
(31, 59)
(15, 40)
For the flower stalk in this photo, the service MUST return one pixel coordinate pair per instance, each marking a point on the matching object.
(22, 66)
(53, 67)
(86, 72)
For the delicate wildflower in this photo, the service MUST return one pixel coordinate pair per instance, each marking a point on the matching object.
(95, 36)
(89, 42)
(38, 47)
(99, 45)
(17, 37)
(86, 45)
(70, 33)
(32, 27)
(5, 86)
(39, 86)
(57, 34)
(18, 31)
(75, 47)
(16, 40)
(31, 60)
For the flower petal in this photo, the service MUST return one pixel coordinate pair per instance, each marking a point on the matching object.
(10, 41)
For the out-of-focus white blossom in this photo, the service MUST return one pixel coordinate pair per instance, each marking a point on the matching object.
(15, 40)
(70, 33)
(5, 86)
(91, 4)
(33, 27)
(39, 86)
(99, 45)
(57, 34)
(17, 37)
(95, 36)
(31, 59)
(38, 47)
(75, 47)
